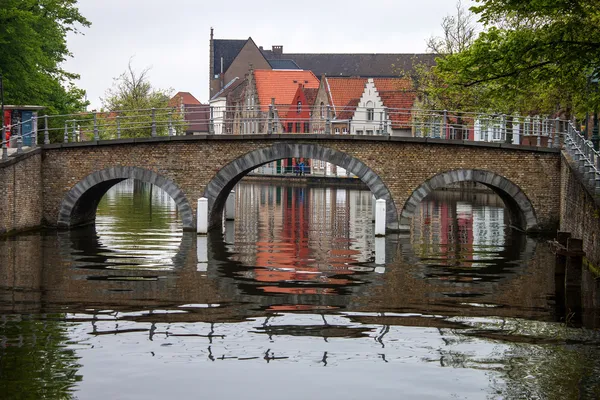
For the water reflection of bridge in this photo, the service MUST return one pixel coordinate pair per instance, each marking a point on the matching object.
(46, 273)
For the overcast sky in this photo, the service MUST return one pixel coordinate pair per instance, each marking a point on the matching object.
(172, 37)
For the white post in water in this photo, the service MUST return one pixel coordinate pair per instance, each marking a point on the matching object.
(380, 217)
(373, 202)
(202, 216)
(380, 250)
(230, 206)
(202, 253)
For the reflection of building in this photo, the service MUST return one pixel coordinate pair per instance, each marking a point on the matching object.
(293, 240)
(457, 231)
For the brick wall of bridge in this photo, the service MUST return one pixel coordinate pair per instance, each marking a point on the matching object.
(403, 165)
(580, 212)
(21, 193)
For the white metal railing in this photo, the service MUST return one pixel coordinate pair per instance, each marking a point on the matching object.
(279, 119)
(586, 159)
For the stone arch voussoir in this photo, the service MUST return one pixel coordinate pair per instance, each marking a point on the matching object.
(91, 188)
(220, 185)
(520, 207)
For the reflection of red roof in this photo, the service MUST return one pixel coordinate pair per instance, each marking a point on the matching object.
(184, 98)
(281, 85)
(347, 111)
(399, 104)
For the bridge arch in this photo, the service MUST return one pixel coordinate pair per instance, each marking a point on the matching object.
(222, 183)
(79, 205)
(521, 211)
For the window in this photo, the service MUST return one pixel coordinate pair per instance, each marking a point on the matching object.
(290, 127)
(299, 107)
(345, 131)
(359, 132)
(370, 132)
(298, 127)
(322, 110)
(306, 127)
(337, 131)
(370, 111)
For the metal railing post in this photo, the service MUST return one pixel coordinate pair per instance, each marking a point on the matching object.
(19, 137)
(270, 119)
(34, 131)
(46, 133)
(153, 122)
(4, 146)
(66, 136)
(445, 125)
(74, 132)
(170, 124)
(598, 174)
(118, 127)
(96, 134)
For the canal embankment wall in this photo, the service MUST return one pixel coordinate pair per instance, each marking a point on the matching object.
(580, 211)
(21, 199)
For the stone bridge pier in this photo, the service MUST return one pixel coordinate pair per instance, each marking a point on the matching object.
(401, 171)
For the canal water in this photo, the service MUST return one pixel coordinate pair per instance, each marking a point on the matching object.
(295, 299)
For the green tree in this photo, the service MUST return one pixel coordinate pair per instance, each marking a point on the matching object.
(133, 98)
(33, 46)
(531, 56)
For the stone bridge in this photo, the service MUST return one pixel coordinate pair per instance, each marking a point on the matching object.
(71, 178)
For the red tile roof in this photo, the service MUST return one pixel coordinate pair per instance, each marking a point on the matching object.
(348, 110)
(281, 85)
(311, 95)
(185, 98)
(399, 104)
(342, 90)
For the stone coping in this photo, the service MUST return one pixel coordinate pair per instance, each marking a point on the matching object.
(302, 137)
(15, 158)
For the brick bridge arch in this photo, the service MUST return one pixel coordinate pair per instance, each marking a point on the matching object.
(80, 203)
(521, 211)
(227, 177)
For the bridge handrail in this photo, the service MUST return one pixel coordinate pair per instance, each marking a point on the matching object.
(277, 118)
(586, 158)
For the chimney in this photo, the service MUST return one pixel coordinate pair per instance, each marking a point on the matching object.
(277, 50)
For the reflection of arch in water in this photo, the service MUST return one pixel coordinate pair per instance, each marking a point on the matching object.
(520, 209)
(518, 251)
(81, 202)
(223, 182)
(232, 279)
(83, 247)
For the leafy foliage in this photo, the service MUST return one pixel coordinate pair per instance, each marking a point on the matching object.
(133, 99)
(532, 56)
(33, 45)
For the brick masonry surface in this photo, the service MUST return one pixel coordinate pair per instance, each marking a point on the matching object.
(580, 212)
(21, 192)
(394, 165)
